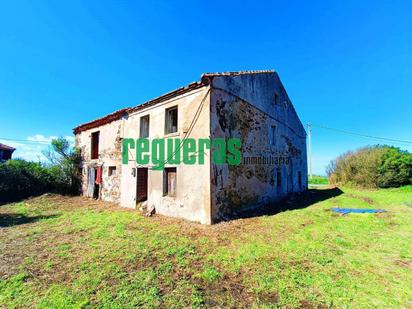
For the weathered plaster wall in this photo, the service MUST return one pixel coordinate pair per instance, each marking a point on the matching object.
(192, 200)
(109, 155)
(244, 107)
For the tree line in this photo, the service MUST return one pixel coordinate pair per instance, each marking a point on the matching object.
(61, 174)
(378, 166)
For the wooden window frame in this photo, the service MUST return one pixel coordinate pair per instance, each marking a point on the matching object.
(142, 119)
(168, 119)
(95, 139)
(166, 188)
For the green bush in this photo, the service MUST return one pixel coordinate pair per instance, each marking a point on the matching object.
(20, 179)
(395, 169)
(372, 167)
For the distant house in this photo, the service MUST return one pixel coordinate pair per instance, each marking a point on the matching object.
(251, 106)
(5, 152)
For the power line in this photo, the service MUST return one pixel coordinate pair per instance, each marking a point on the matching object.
(362, 135)
(24, 141)
(311, 124)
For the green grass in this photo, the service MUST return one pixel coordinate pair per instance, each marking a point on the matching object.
(318, 180)
(61, 252)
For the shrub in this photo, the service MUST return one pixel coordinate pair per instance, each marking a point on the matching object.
(375, 166)
(20, 179)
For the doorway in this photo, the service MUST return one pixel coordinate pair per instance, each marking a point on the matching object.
(141, 184)
(97, 182)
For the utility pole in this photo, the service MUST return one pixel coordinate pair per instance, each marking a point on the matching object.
(310, 149)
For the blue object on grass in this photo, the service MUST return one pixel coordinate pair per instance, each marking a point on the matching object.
(356, 210)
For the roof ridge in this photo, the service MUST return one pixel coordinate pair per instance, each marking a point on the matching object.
(100, 121)
(231, 73)
(167, 95)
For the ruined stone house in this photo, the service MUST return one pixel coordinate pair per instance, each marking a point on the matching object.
(252, 106)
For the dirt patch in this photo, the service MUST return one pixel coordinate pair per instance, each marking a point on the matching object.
(306, 304)
(363, 198)
(231, 293)
(309, 222)
(405, 264)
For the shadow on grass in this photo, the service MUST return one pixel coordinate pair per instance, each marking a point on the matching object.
(8, 220)
(296, 201)
(6, 199)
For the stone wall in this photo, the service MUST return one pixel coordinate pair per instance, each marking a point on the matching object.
(245, 107)
(109, 155)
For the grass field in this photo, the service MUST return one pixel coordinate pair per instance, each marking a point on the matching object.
(318, 180)
(72, 252)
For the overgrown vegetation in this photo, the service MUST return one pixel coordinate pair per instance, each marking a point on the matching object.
(20, 178)
(72, 252)
(372, 167)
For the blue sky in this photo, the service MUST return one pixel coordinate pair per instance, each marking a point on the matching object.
(345, 64)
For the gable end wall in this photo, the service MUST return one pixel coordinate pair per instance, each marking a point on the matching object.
(244, 107)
